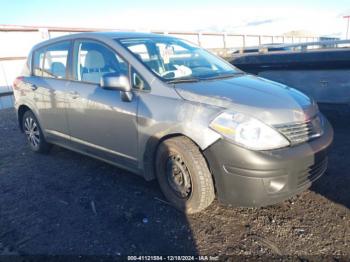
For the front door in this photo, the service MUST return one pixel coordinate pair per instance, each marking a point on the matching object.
(100, 123)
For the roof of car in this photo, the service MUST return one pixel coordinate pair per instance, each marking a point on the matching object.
(119, 34)
(112, 35)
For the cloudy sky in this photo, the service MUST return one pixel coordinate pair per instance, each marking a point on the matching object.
(242, 17)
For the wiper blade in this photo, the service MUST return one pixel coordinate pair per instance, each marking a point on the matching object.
(224, 76)
(183, 80)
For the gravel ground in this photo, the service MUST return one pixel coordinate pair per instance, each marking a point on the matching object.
(66, 203)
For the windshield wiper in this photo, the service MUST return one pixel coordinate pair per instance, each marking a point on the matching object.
(193, 79)
(221, 76)
(183, 80)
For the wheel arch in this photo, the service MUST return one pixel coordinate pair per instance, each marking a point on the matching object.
(151, 150)
(24, 107)
(20, 113)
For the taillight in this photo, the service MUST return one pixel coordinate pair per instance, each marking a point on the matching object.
(17, 81)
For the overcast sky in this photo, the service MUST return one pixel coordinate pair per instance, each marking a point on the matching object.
(243, 17)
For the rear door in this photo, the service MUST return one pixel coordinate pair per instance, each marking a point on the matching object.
(49, 82)
(100, 122)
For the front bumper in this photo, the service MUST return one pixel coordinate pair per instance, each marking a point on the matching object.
(249, 178)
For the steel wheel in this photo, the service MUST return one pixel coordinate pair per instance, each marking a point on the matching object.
(178, 176)
(183, 175)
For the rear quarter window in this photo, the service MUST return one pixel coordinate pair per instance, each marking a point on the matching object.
(38, 60)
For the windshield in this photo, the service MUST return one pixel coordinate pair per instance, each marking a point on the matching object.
(178, 60)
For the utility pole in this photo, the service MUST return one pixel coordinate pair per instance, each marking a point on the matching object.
(347, 28)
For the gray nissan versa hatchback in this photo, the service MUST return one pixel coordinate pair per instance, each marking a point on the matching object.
(164, 108)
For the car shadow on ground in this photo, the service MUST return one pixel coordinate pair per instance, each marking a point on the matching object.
(334, 184)
(92, 207)
(67, 203)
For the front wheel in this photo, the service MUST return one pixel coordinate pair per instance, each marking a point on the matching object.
(34, 134)
(183, 175)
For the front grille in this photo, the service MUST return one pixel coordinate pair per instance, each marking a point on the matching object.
(313, 172)
(298, 133)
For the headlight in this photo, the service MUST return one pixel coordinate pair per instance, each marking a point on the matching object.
(248, 132)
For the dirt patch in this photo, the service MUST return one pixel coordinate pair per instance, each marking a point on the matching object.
(66, 203)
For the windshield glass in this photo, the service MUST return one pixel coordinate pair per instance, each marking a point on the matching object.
(174, 59)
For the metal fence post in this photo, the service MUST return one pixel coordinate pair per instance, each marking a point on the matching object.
(44, 33)
(224, 37)
(199, 38)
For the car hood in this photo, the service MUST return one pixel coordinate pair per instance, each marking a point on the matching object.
(271, 102)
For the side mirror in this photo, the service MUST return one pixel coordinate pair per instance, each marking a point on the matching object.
(120, 83)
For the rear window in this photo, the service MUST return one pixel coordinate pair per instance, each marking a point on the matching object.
(51, 61)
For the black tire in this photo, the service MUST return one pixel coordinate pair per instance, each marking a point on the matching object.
(179, 159)
(34, 134)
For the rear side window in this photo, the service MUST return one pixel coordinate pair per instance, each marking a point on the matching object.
(51, 61)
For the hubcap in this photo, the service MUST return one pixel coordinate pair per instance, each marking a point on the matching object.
(178, 176)
(32, 131)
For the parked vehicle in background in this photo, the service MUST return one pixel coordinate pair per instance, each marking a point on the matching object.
(263, 48)
(318, 69)
(164, 108)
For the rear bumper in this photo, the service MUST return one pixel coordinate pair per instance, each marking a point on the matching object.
(249, 178)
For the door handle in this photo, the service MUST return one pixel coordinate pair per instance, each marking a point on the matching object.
(74, 94)
(33, 87)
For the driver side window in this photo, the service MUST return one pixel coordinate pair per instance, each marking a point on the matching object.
(94, 60)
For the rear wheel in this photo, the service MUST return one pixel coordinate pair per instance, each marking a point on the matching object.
(183, 175)
(34, 133)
